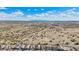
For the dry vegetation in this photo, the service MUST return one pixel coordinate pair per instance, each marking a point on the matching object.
(39, 36)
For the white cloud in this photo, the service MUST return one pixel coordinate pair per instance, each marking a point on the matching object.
(35, 9)
(42, 9)
(29, 16)
(62, 16)
(3, 14)
(17, 13)
(2, 8)
(28, 9)
(13, 15)
(70, 14)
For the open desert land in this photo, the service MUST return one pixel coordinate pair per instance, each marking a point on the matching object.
(44, 36)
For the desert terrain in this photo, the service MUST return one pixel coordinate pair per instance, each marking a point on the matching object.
(42, 36)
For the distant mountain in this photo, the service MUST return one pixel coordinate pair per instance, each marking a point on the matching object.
(39, 20)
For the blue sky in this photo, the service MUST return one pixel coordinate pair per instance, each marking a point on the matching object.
(40, 13)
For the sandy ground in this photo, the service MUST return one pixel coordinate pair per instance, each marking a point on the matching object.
(65, 37)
